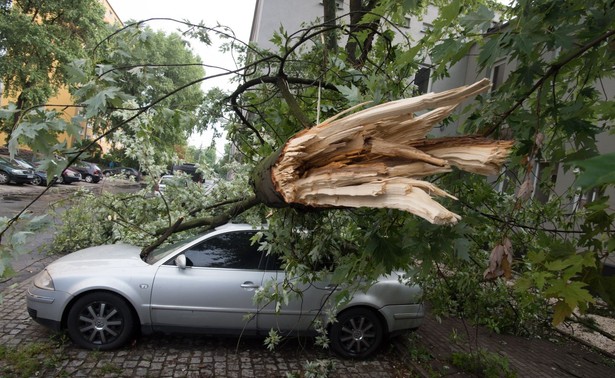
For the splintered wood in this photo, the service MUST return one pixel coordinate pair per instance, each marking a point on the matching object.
(376, 157)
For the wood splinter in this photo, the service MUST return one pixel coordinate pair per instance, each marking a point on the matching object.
(376, 157)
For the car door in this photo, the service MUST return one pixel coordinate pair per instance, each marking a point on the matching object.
(306, 303)
(214, 292)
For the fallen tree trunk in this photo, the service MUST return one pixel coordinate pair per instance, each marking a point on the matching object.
(376, 157)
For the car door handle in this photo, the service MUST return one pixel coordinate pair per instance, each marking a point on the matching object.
(249, 285)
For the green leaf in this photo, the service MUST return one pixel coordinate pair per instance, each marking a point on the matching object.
(596, 171)
(489, 52)
(481, 19)
(462, 248)
(351, 93)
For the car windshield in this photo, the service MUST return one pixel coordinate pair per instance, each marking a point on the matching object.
(162, 252)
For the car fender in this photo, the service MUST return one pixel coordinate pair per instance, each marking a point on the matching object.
(385, 292)
(137, 292)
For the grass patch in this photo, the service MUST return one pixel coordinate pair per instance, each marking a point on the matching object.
(483, 364)
(28, 360)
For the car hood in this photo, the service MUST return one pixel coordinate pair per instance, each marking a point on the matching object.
(100, 257)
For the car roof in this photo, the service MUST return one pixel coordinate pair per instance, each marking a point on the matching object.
(238, 227)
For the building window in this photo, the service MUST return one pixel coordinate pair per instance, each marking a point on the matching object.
(421, 80)
(544, 179)
(339, 4)
(427, 27)
(582, 199)
(497, 75)
(405, 23)
(507, 181)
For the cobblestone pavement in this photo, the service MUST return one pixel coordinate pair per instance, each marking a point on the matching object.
(172, 356)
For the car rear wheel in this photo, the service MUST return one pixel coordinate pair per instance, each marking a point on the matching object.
(4, 177)
(89, 179)
(357, 333)
(100, 321)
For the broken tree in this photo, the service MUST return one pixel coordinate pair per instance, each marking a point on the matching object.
(376, 158)
(371, 158)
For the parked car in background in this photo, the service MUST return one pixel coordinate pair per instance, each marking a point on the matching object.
(190, 169)
(40, 176)
(12, 172)
(69, 175)
(103, 295)
(125, 172)
(90, 172)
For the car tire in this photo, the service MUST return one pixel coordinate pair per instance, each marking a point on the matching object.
(89, 179)
(60, 180)
(4, 178)
(358, 333)
(100, 321)
(37, 180)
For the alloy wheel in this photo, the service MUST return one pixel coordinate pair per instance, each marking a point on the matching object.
(357, 334)
(100, 321)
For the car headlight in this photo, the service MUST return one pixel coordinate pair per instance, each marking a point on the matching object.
(17, 171)
(43, 281)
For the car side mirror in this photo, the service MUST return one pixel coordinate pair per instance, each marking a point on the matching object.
(180, 261)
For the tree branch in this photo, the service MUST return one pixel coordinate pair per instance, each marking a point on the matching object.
(295, 109)
(215, 221)
(554, 68)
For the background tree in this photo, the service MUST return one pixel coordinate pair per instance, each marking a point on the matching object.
(157, 65)
(37, 40)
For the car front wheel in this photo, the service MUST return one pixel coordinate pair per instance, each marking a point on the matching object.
(357, 333)
(4, 178)
(100, 321)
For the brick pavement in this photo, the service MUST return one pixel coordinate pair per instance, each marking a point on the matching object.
(553, 357)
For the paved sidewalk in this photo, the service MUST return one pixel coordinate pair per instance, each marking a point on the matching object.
(553, 357)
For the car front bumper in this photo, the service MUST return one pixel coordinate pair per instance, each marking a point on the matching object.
(70, 178)
(21, 179)
(46, 306)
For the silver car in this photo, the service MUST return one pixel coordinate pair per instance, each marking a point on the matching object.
(206, 284)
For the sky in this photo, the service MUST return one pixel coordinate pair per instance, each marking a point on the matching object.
(236, 14)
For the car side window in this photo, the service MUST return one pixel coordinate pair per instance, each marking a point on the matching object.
(272, 262)
(233, 250)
